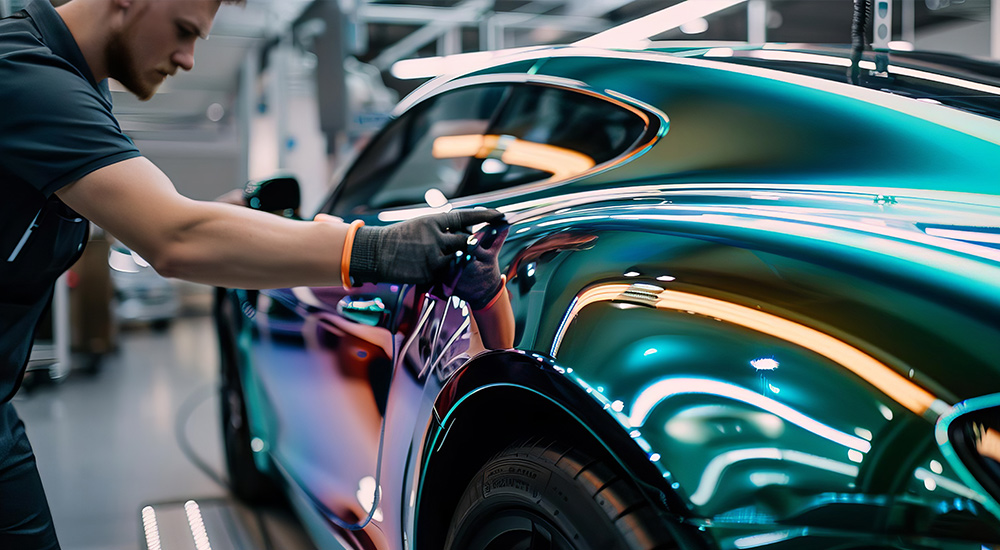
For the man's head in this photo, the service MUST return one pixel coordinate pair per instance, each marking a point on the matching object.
(155, 38)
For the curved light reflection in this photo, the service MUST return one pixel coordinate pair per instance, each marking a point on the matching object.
(710, 477)
(879, 375)
(670, 387)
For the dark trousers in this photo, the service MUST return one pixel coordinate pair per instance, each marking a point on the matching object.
(25, 521)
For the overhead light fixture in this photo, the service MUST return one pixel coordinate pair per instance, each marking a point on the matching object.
(215, 112)
(636, 33)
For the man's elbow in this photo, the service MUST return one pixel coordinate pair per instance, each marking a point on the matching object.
(173, 262)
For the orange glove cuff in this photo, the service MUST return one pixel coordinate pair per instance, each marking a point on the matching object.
(345, 259)
(503, 288)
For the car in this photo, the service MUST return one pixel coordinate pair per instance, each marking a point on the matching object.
(141, 295)
(755, 306)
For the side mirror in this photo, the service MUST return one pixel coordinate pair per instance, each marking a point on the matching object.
(280, 195)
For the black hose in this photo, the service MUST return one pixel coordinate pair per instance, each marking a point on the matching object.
(862, 12)
(184, 413)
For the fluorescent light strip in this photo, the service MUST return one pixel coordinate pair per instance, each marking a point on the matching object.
(150, 528)
(636, 31)
(197, 526)
(426, 67)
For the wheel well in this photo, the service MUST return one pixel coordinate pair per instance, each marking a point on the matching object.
(480, 428)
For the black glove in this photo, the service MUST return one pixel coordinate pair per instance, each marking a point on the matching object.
(417, 251)
(479, 281)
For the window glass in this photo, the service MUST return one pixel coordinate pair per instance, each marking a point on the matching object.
(545, 133)
(486, 138)
(399, 166)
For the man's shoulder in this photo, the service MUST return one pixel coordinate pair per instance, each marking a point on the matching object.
(23, 53)
(19, 37)
(28, 66)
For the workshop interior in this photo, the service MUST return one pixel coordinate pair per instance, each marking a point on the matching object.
(751, 250)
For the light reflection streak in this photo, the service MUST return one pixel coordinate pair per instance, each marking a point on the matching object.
(773, 55)
(786, 220)
(561, 162)
(874, 372)
(949, 485)
(367, 490)
(763, 539)
(962, 235)
(671, 387)
(713, 472)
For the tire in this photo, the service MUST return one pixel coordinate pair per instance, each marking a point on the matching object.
(554, 497)
(245, 481)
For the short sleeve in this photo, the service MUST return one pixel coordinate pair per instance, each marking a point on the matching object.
(55, 126)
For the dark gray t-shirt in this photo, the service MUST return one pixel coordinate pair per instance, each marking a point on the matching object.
(56, 126)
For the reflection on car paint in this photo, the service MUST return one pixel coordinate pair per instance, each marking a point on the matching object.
(753, 318)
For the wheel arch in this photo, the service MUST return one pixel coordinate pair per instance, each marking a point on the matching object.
(500, 398)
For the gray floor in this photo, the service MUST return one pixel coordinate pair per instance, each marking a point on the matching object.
(106, 444)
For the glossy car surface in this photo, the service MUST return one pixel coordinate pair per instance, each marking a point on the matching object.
(766, 300)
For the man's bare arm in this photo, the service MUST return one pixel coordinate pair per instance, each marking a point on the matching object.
(207, 242)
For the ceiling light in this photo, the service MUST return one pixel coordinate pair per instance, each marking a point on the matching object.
(215, 112)
(695, 26)
(635, 32)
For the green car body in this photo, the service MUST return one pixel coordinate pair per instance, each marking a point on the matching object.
(776, 312)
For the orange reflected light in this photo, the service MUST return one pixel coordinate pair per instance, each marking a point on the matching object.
(879, 375)
(562, 163)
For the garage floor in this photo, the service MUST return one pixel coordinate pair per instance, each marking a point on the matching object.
(107, 446)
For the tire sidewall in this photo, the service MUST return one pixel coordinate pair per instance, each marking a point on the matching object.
(511, 485)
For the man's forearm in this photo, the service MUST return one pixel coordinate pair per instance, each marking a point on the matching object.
(239, 247)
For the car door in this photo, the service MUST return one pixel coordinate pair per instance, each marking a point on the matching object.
(329, 358)
(324, 356)
(534, 133)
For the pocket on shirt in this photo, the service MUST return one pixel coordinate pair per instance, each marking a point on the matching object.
(49, 249)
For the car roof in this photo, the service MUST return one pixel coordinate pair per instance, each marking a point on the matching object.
(963, 82)
(958, 81)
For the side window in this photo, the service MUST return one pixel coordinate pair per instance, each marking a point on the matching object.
(545, 133)
(485, 138)
(399, 166)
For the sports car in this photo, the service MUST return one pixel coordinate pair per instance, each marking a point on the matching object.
(756, 304)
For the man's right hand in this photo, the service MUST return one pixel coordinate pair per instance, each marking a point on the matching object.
(417, 251)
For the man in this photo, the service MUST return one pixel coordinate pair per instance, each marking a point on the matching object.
(64, 160)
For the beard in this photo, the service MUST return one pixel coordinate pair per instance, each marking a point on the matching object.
(123, 67)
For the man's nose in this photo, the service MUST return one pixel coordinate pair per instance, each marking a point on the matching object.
(184, 58)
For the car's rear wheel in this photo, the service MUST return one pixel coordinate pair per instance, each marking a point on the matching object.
(554, 497)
